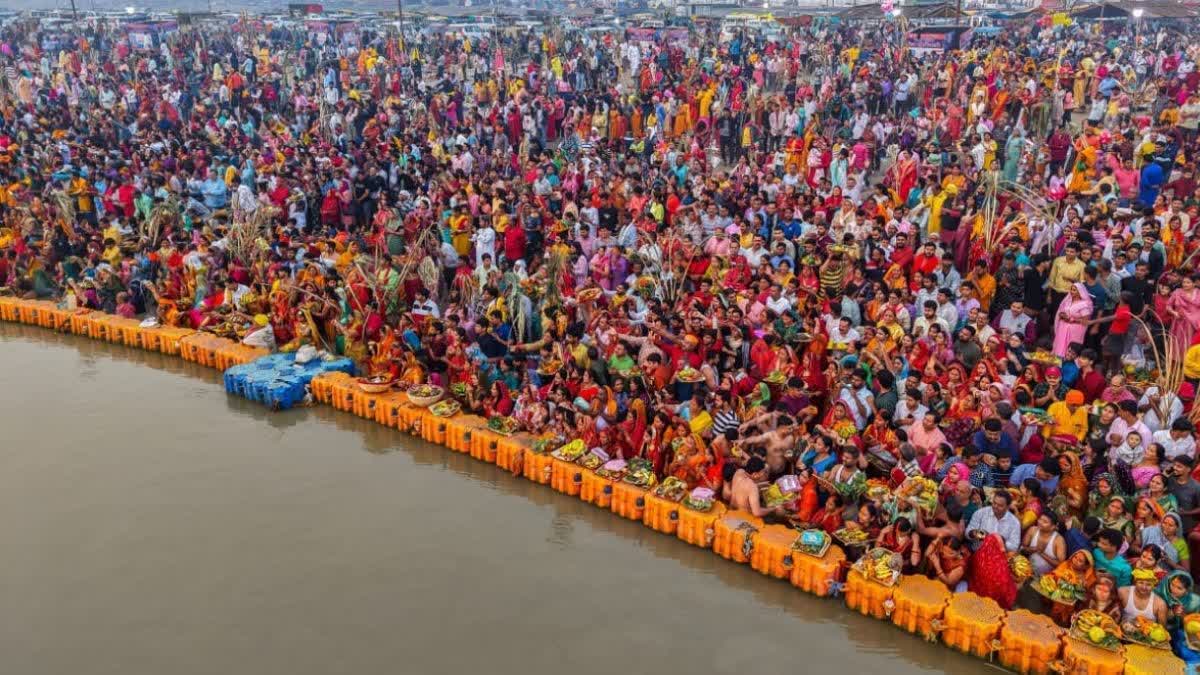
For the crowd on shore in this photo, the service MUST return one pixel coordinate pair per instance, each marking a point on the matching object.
(831, 260)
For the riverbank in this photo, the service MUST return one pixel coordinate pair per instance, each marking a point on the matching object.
(867, 598)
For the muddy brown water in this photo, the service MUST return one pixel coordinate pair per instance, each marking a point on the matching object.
(154, 524)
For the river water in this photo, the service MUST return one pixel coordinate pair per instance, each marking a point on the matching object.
(154, 524)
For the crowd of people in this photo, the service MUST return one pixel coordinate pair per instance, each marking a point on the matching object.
(829, 259)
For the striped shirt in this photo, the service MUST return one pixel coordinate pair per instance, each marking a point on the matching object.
(725, 421)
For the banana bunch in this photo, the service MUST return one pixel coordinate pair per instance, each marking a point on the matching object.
(1090, 618)
(1020, 567)
(1047, 585)
(882, 570)
(1060, 590)
(851, 537)
(921, 490)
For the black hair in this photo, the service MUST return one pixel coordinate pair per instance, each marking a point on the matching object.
(728, 471)
(1113, 537)
(1155, 551)
(1034, 487)
(1050, 466)
(954, 511)
(872, 511)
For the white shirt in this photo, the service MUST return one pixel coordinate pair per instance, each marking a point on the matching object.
(1008, 527)
(485, 243)
(1150, 418)
(427, 308)
(779, 305)
(921, 326)
(840, 340)
(849, 396)
(1175, 448)
(902, 411)
(449, 256)
(754, 256)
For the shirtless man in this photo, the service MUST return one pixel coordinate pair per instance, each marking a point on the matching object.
(744, 490)
(776, 443)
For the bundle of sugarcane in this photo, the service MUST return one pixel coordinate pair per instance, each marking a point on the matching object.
(1168, 375)
(64, 204)
(468, 289)
(164, 214)
(513, 297)
(992, 231)
(240, 241)
(430, 275)
(556, 264)
(25, 222)
(1042, 208)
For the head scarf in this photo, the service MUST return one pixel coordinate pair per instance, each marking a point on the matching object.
(1155, 509)
(1190, 601)
(1112, 482)
(1065, 572)
(988, 574)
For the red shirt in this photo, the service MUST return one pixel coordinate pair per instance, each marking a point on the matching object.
(903, 257)
(926, 264)
(1091, 386)
(514, 242)
(1121, 319)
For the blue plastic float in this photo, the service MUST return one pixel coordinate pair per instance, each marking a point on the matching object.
(277, 381)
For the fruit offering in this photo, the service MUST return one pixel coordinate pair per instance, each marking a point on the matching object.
(776, 377)
(852, 489)
(880, 565)
(506, 426)
(877, 490)
(1144, 631)
(426, 390)
(812, 542)
(773, 496)
(1045, 358)
(640, 472)
(591, 461)
(1097, 628)
(445, 408)
(571, 451)
(671, 488)
(1191, 624)
(701, 499)
(1059, 590)
(920, 491)
(851, 537)
(1020, 567)
(613, 469)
